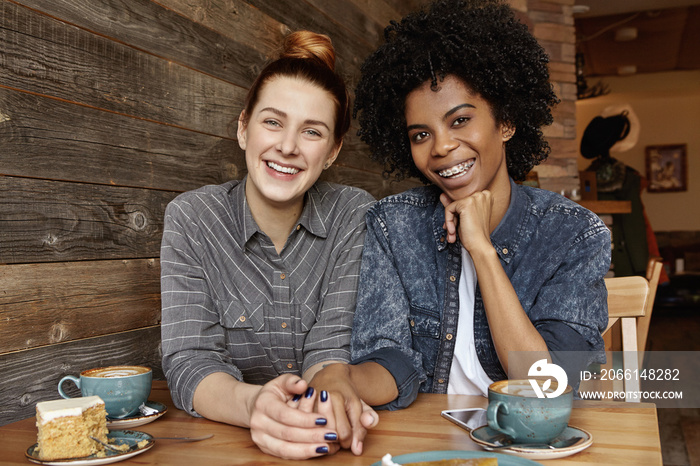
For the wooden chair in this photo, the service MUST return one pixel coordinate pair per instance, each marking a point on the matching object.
(631, 301)
(654, 267)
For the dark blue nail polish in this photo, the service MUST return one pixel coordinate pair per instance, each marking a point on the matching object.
(296, 398)
(324, 395)
(322, 450)
(330, 436)
(309, 392)
(321, 421)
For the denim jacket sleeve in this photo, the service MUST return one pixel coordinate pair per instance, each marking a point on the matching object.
(576, 285)
(381, 331)
(558, 274)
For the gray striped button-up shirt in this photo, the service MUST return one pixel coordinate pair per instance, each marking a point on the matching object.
(231, 303)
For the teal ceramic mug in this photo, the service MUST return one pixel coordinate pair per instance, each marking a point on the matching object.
(122, 388)
(516, 411)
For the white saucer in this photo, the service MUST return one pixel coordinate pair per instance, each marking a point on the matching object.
(138, 419)
(485, 436)
(117, 437)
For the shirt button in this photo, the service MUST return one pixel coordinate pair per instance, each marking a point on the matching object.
(283, 276)
(284, 324)
(453, 278)
(442, 239)
(448, 336)
(505, 251)
(290, 365)
(413, 323)
(441, 380)
(298, 227)
(242, 318)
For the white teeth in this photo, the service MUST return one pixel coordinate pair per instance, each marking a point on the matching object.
(281, 169)
(457, 169)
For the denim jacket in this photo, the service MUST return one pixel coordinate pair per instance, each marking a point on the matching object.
(554, 252)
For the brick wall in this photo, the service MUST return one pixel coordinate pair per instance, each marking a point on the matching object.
(552, 23)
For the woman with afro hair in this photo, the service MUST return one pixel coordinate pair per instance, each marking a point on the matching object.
(460, 275)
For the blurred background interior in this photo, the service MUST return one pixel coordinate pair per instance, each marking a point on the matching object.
(645, 54)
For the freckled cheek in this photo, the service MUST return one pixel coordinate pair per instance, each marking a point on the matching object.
(260, 144)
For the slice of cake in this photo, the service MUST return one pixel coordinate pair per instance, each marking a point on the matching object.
(65, 427)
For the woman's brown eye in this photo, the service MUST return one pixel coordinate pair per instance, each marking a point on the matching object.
(419, 136)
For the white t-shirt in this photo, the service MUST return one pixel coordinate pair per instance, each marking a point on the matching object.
(467, 377)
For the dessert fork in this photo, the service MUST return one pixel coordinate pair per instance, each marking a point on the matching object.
(132, 447)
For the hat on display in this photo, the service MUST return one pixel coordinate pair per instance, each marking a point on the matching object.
(614, 130)
(629, 141)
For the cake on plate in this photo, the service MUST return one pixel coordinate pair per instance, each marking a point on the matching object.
(65, 427)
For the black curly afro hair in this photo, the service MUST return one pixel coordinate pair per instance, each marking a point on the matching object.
(482, 43)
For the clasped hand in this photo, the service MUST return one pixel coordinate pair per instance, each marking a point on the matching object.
(291, 420)
(352, 416)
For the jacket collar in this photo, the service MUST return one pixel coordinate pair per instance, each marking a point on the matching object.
(506, 237)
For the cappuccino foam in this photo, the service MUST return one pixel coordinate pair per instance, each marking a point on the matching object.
(521, 389)
(116, 371)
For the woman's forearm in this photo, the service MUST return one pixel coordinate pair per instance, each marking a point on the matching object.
(220, 397)
(369, 381)
(511, 329)
(375, 385)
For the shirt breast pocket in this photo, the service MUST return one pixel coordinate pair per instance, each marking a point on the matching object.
(277, 331)
(247, 340)
(425, 333)
(236, 315)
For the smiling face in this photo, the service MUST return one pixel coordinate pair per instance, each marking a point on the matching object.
(287, 138)
(455, 140)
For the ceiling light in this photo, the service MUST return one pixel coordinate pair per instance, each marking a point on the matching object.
(626, 70)
(625, 34)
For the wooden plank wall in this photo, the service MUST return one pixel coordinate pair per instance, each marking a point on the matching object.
(108, 110)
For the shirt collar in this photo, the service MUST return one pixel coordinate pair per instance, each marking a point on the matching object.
(316, 213)
(313, 217)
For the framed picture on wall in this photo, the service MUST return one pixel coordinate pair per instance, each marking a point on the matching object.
(667, 168)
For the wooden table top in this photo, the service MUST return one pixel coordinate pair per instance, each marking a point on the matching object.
(623, 433)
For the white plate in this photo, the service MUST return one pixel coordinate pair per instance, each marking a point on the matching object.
(485, 436)
(138, 419)
(503, 460)
(130, 437)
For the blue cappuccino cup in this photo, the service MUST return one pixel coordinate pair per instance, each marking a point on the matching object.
(122, 388)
